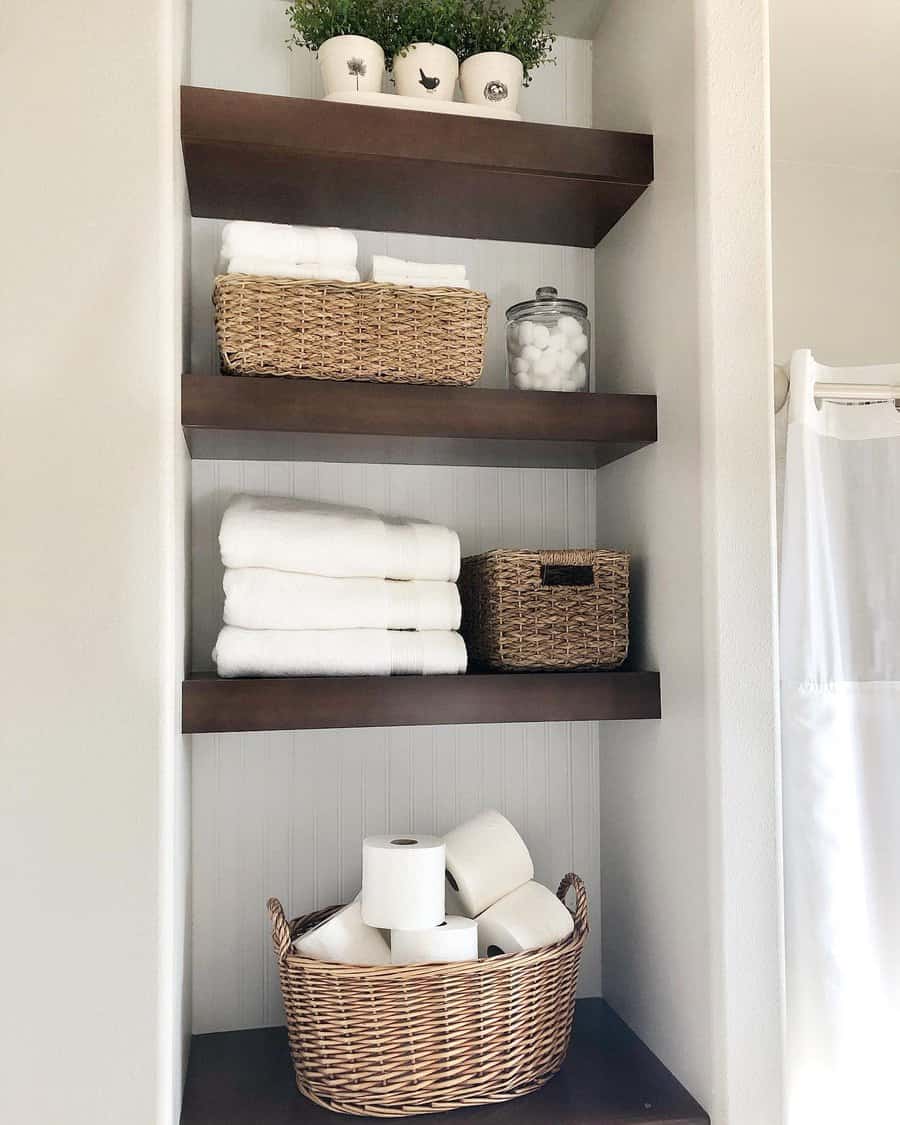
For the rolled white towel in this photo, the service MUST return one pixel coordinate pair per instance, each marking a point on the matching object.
(301, 271)
(328, 245)
(338, 542)
(382, 265)
(339, 652)
(277, 599)
(420, 282)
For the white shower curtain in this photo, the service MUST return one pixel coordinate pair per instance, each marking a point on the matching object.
(840, 629)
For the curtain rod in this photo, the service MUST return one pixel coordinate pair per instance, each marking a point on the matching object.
(834, 392)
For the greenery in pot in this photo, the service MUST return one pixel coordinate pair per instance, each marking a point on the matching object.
(524, 31)
(314, 22)
(427, 21)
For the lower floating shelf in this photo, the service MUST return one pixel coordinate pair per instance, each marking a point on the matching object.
(609, 1078)
(214, 706)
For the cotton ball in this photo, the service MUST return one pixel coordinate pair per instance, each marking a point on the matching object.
(526, 333)
(579, 374)
(541, 336)
(557, 341)
(523, 381)
(531, 355)
(546, 365)
(580, 345)
(568, 383)
(519, 365)
(568, 325)
(566, 360)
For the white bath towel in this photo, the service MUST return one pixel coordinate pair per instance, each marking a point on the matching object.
(302, 271)
(348, 652)
(337, 542)
(327, 245)
(397, 267)
(420, 282)
(276, 599)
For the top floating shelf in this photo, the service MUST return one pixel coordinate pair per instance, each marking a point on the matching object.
(293, 160)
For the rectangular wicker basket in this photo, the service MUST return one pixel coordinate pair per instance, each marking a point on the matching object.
(349, 330)
(545, 610)
(404, 1040)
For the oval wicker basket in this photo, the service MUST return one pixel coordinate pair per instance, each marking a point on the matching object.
(398, 1041)
(349, 330)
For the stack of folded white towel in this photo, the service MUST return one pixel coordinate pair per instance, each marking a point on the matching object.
(421, 275)
(314, 589)
(303, 253)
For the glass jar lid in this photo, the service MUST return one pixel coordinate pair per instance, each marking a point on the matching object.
(547, 300)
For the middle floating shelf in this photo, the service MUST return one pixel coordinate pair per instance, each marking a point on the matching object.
(214, 706)
(286, 419)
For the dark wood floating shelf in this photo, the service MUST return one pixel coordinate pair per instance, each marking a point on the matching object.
(609, 1078)
(214, 706)
(230, 418)
(294, 160)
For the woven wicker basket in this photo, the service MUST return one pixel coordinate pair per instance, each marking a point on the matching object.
(398, 1041)
(349, 330)
(545, 609)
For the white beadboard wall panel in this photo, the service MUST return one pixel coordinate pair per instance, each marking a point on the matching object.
(488, 507)
(284, 815)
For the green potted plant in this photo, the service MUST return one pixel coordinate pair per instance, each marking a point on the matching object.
(348, 37)
(501, 48)
(426, 36)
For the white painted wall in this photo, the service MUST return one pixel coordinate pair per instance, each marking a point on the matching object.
(92, 771)
(285, 814)
(688, 837)
(836, 117)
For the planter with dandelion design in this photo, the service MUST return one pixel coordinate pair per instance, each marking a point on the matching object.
(351, 64)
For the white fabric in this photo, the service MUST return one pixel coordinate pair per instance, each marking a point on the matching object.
(301, 271)
(327, 245)
(277, 599)
(420, 282)
(397, 267)
(840, 646)
(338, 542)
(348, 652)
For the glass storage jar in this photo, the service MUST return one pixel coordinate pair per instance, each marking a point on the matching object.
(548, 344)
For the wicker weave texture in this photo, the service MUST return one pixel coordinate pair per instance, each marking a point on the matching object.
(349, 330)
(399, 1041)
(517, 616)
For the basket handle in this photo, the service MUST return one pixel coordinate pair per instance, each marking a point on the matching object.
(281, 930)
(570, 881)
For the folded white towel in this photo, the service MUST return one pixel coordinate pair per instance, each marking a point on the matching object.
(420, 282)
(347, 652)
(400, 268)
(302, 271)
(338, 542)
(328, 245)
(276, 599)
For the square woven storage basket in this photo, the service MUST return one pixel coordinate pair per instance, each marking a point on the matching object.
(545, 610)
(349, 330)
(404, 1040)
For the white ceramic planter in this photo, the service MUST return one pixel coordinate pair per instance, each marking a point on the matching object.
(351, 64)
(427, 70)
(492, 79)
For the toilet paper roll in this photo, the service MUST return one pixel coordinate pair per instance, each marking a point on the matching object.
(403, 882)
(455, 940)
(346, 939)
(486, 859)
(529, 918)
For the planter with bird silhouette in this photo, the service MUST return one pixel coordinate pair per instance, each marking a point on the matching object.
(426, 70)
(351, 64)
